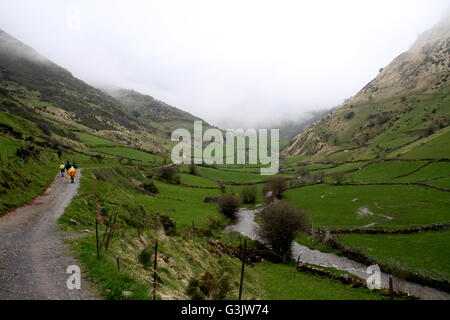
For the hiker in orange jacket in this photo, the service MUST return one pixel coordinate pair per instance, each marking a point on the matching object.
(71, 174)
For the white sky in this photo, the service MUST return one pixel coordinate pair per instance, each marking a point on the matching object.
(233, 63)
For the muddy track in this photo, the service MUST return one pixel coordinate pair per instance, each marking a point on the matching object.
(33, 254)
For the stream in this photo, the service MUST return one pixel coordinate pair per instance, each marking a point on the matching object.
(245, 225)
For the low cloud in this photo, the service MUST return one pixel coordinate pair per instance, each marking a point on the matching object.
(233, 63)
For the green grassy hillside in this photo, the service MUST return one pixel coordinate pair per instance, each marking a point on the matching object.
(403, 112)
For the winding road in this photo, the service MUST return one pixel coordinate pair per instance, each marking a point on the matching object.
(33, 254)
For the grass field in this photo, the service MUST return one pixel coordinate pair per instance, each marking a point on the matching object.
(444, 182)
(130, 154)
(341, 168)
(194, 180)
(385, 171)
(8, 147)
(436, 148)
(337, 206)
(93, 141)
(433, 170)
(184, 205)
(425, 253)
(283, 282)
(228, 176)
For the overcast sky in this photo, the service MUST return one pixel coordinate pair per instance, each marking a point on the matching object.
(233, 63)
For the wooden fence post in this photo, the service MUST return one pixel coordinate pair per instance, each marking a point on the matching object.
(242, 270)
(96, 237)
(155, 265)
(391, 287)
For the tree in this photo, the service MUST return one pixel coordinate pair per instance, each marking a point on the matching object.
(275, 187)
(338, 178)
(278, 225)
(150, 187)
(170, 173)
(193, 169)
(228, 205)
(303, 172)
(248, 195)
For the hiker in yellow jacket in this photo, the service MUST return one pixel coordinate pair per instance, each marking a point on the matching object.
(62, 168)
(71, 174)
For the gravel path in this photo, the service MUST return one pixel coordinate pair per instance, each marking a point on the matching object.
(33, 255)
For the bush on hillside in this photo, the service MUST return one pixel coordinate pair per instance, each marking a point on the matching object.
(150, 187)
(279, 224)
(349, 115)
(275, 187)
(193, 169)
(170, 227)
(303, 172)
(248, 195)
(210, 286)
(27, 151)
(170, 173)
(228, 205)
(338, 178)
(146, 257)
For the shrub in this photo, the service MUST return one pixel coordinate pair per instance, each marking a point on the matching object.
(338, 178)
(248, 195)
(276, 186)
(228, 205)
(303, 172)
(27, 151)
(8, 129)
(99, 158)
(215, 222)
(150, 187)
(429, 130)
(146, 257)
(279, 223)
(209, 286)
(349, 115)
(317, 178)
(193, 169)
(383, 118)
(170, 227)
(170, 173)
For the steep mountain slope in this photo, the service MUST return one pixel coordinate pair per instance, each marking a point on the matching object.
(35, 88)
(407, 104)
(153, 112)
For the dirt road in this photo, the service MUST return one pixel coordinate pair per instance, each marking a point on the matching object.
(33, 255)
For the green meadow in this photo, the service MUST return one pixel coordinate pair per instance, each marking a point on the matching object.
(426, 253)
(338, 206)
